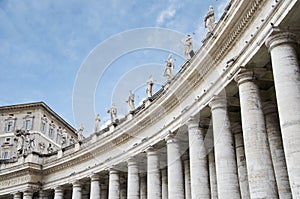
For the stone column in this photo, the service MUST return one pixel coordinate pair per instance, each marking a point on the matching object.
(241, 160)
(103, 191)
(187, 177)
(27, 195)
(286, 74)
(153, 174)
(17, 195)
(198, 160)
(276, 148)
(143, 186)
(133, 184)
(175, 175)
(227, 178)
(212, 175)
(77, 189)
(164, 186)
(259, 165)
(43, 194)
(58, 193)
(95, 187)
(114, 184)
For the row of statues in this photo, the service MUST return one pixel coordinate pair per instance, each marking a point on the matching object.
(168, 73)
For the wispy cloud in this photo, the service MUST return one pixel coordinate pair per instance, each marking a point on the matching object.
(166, 14)
(221, 8)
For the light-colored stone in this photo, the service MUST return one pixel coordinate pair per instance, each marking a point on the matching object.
(153, 174)
(212, 175)
(241, 160)
(95, 187)
(143, 186)
(226, 170)
(198, 160)
(133, 186)
(286, 73)
(276, 149)
(164, 181)
(114, 184)
(58, 193)
(175, 175)
(77, 190)
(259, 165)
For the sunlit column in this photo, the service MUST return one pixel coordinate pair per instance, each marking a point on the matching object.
(286, 72)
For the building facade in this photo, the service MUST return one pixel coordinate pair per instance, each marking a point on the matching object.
(226, 126)
(32, 127)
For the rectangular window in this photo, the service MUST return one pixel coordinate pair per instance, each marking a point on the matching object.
(27, 124)
(5, 155)
(9, 126)
(51, 133)
(43, 127)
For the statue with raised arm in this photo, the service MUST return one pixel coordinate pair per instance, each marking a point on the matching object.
(113, 113)
(79, 132)
(169, 68)
(131, 101)
(188, 47)
(209, 20)
(150, 83)
(97, 123)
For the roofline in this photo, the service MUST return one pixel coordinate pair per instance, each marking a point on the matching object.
(38, 104)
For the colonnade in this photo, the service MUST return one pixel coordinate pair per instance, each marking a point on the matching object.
(258, 157)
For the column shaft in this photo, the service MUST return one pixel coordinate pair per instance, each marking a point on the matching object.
(95, 187)
(114, 185)
(58, 193)
(241, 161)
(276, 149)
(27, 195)
(103, 191)
(227, 179)
(164, 178)
(187, 179)
(17, 195)
(198, 161)
(259, 165)
(286, 74)
(153, 175)
(143, 186)
(175, 175)
(133, 184)
(77, 189)
(212, 175)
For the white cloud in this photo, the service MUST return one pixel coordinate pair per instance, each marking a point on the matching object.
(166, 14)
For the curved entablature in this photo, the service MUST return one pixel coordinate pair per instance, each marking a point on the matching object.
(237, 38)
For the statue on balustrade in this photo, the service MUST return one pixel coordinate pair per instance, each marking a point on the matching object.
(97, 123)
(113, 113)
(210, 20)
(150, 83)
(188, 47)
(169, 68)
(81, 128)
(130, 101)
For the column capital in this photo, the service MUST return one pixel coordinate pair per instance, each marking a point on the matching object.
(269, 107)
(132, 161)
(151, 150)
(279, 37)
(245, 75)
(27, 193)
(171, 138)
(95, 177)
(58, 188)
(218, 101)
(193, 122)
(113, 170)
(76, 183)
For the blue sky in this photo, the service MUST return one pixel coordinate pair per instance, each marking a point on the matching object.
(44, 43)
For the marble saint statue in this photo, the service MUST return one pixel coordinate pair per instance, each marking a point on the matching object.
(188, 47)
(97, 123)
(169, 68)
(210, 20)
(131, 101)
(150, 83)
(79, 132)
(113, 113)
